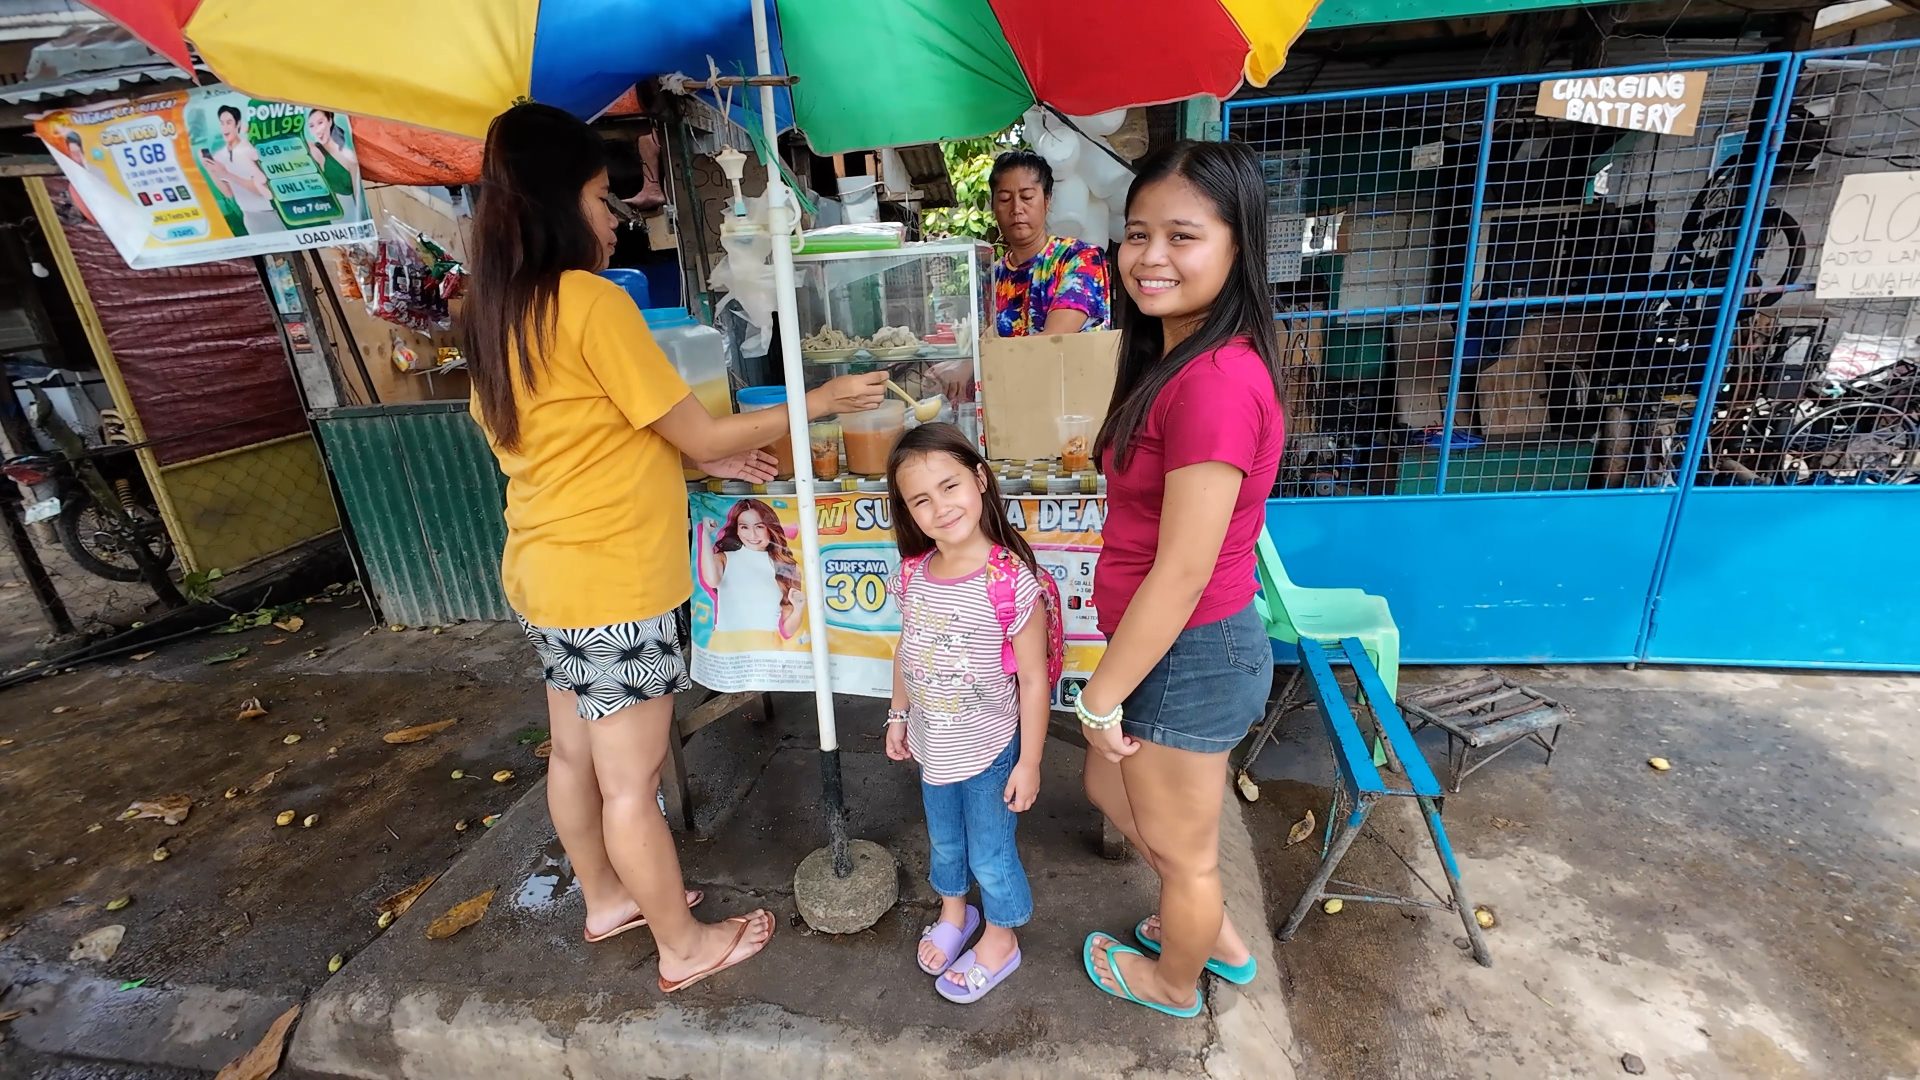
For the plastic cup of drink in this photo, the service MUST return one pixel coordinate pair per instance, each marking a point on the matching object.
(1076, 442)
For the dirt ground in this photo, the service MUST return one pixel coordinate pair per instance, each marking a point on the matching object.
(1750, 914)
(239, 901)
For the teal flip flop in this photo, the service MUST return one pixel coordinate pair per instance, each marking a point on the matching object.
(1124, 994)
(1237, 974)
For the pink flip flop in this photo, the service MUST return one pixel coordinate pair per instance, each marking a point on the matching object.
(979, 979)
(694, 896)
(948, 938)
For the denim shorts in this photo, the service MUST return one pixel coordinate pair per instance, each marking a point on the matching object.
(1209, 690)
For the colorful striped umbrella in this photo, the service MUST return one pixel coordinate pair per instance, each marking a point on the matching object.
(871, 72)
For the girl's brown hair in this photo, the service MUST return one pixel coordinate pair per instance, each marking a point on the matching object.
(951, 441)
(527, 231)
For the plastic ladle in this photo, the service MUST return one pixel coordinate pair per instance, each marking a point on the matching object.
(923, 411)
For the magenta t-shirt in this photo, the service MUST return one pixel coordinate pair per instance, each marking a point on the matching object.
(1221, 407)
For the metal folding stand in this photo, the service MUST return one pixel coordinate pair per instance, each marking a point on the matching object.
(1361, 787)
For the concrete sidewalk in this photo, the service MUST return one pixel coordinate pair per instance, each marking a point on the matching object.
(520, 995)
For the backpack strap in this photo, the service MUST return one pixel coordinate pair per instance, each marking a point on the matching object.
(1000, 579)
(909, 569)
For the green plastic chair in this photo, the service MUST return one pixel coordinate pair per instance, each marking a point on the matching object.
(1292, 612)
(1326, 615)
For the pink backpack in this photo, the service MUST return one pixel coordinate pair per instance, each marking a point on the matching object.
(1001, 569)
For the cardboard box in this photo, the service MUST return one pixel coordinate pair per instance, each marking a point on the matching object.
(1026, 383)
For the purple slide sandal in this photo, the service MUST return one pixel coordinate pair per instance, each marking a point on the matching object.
(948, 938)
(979, 979)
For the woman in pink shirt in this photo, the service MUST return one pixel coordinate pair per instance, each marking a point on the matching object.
(1191, 447)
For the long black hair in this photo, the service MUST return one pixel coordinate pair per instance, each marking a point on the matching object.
(527, 231)
(1228, 174)
(951, 441)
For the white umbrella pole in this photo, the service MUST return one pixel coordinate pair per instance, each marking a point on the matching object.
(784, 215)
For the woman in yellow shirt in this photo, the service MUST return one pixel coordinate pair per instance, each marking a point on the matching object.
(589, 422)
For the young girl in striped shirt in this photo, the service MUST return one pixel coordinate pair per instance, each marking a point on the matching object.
(968, 585)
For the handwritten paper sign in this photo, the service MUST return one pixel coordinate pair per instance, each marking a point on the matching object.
(1872, 248)
(1663, 102)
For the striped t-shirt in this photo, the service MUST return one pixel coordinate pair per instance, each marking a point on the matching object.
(963, 706)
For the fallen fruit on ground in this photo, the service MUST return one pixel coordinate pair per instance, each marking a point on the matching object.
(119, 902)
(335, 963)
(284, 817)
(310, 821)
(292, 737)
(98, 944)
(460, 916)
(459, 774)
(251, 709)
(397, 904)
(385, 920)
(1332, 907)
(503, 776)
(161, 854)
(416, 733)
(460, 826)
(260, 1062)
(1659, 764)
(170, 809)
(1485, 917)
(1301, 830)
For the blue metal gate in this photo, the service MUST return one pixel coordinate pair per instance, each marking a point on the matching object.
(1563, 391)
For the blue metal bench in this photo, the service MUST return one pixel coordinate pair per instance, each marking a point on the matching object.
(1361, 786)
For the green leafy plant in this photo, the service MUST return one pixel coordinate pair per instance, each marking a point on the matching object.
(198, 586)
(969, 163)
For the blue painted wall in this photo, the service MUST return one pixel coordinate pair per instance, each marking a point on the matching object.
(1478, 579)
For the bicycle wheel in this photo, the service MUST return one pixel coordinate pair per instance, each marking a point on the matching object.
(1853, 442)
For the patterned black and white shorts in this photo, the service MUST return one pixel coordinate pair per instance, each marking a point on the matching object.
(613, 667)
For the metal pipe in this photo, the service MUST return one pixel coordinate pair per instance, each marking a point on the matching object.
(1466, 287)
(783, 215)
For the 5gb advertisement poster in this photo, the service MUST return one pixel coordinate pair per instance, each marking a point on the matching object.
(749, 621)
(209, 173)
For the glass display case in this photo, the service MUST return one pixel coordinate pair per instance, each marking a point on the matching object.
(916, 310)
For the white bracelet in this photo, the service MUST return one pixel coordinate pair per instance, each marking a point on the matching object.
(896, 716)
(1094, 720)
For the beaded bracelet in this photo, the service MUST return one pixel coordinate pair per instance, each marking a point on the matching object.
(896, 716)
(1091, 720)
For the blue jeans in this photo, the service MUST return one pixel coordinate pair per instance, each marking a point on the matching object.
(971, 835)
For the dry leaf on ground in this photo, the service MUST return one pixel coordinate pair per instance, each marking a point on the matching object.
(98, 944)
(11, 1015)
(260, 1062)
(172, 809)
(251, 709)
(265, 781)
(291, 624)
(8, 931)
(6, 742)
(544, 750)
(399, 902)
(275, 641)
(226, 657)
(460, 916)
(417, 733)
(141, 656)
(1301, 830)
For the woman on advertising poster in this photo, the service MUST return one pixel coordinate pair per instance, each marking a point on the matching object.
(753, 574)
(327, 145)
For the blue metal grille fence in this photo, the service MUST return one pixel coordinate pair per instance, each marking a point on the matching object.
(1620, 326)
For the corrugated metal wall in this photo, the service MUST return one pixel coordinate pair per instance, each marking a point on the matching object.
(426, 500)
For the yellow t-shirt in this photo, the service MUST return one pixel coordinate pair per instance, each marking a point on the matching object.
(596, 505)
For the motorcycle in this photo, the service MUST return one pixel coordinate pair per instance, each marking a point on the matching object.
(94, 537)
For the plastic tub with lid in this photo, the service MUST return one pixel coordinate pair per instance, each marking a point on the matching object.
(698, 352)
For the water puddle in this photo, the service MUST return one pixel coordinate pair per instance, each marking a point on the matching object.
(549, 883)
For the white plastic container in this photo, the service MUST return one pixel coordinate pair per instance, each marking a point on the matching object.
(698, 353)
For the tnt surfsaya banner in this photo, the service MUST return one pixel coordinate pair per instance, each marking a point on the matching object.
(749, 619)
(209, 173)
